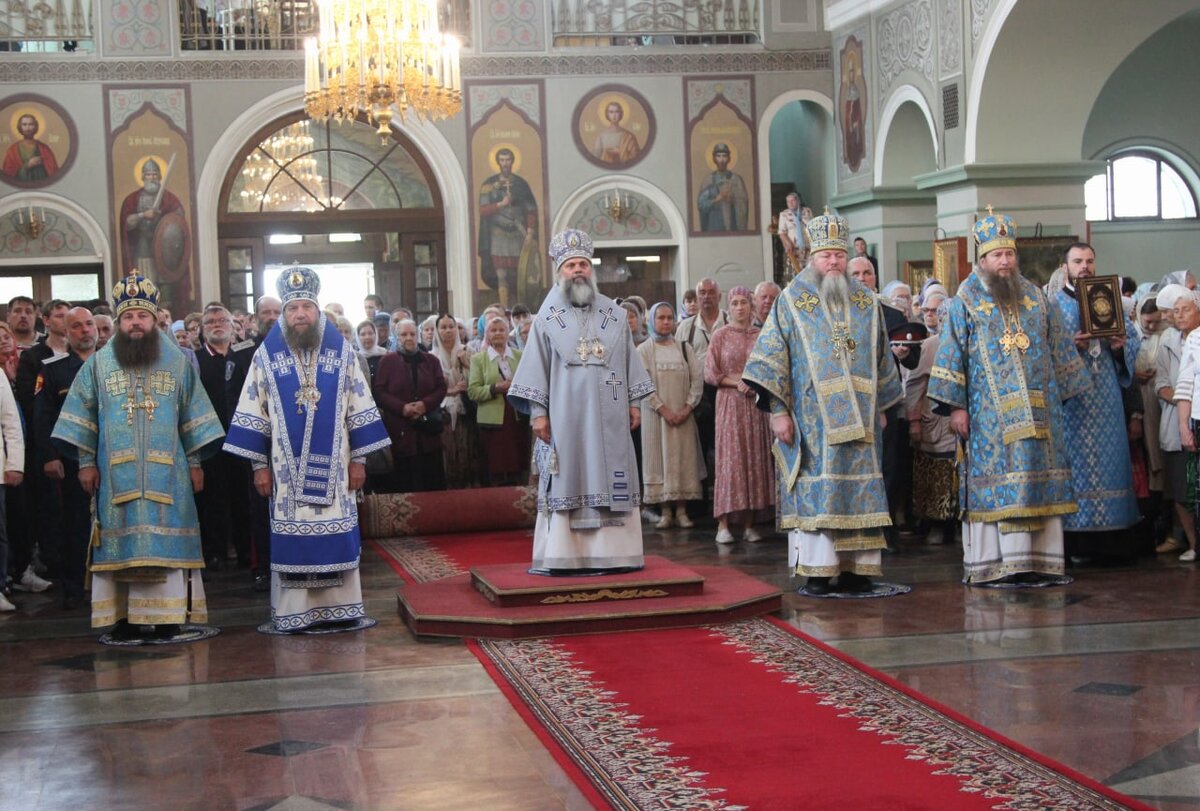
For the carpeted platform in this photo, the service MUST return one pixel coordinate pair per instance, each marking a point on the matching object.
(483, 509)
(754, 715)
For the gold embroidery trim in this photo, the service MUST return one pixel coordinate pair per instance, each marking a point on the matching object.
(602, 594)
(942, 373)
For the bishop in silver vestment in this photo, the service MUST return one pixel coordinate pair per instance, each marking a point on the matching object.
(580, 380)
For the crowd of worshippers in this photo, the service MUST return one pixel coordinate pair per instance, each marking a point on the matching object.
(827, 410)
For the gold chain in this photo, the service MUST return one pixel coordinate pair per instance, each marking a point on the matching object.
(1013, 336)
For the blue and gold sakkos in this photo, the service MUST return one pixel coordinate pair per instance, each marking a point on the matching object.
(141, 428)
(834, 388)
(1016, 463)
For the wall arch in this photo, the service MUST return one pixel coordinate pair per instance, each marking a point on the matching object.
(564, 216)
(764, 150)
(81, 216)
(905, 94)
(447, 171)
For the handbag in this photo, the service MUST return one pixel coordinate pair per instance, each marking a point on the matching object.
(431, 422)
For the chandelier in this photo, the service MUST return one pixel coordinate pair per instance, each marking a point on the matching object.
(372, 55)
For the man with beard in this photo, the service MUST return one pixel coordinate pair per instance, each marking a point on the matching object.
(508, 224)
(224, 504)
(1096, 428)
(22, 319)
(266, 314)
(581, 379)
(136, 417)
(68, 535)
(722, 201)
(823, 368)
(1004, 365)
(306, 421)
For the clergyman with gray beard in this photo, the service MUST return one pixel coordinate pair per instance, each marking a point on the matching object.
(823, 368)
(580, 379)
(1004, 365)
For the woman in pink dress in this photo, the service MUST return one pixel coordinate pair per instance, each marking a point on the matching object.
(745, 478)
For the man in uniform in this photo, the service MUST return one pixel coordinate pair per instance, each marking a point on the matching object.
(1004, 366)
(823, 368)
(137, 417)
(581, 379)
(73, 528)
(306, 421)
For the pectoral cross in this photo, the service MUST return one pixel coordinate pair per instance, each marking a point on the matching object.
(614, 384)
(1007, 341)
(148, 405)
(583, 350)
(843, 344)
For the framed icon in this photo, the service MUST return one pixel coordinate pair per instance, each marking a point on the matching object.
(37, 141)
(613, 126)
(1100, 312)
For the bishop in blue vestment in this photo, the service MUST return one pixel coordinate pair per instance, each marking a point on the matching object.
(136, 416)
(823, 367)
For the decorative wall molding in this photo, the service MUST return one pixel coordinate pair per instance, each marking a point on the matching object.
(525, 97)
(136, 28)
(290, 68)
(950, 38)
(169, 101)
(979, 14)
(906, 41)
(738, 92)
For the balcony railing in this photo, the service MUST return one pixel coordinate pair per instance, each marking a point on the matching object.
(46, 26)
(583, 23)
(276, 25)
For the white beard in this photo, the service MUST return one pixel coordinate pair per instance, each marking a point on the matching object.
(835, 291)
(580, 293)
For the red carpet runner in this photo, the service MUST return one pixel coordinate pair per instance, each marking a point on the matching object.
(752, 714)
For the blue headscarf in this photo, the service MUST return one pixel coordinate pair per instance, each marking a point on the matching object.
(650, 323)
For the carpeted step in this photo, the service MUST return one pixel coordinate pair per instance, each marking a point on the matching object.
(511, 584)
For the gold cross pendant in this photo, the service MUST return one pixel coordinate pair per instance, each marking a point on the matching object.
(1007, 341)
(584, 349)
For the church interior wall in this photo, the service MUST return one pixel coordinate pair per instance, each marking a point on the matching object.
(800, 137)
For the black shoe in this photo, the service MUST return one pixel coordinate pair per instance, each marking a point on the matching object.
(124, 632)
(852, 583)
(818, 586)
(262, 583)
(167, 631)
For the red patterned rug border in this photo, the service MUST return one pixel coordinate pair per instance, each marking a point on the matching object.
(1122, 800)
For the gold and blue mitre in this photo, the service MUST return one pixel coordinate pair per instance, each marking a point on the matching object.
(569, 244)
(297, 283)
(828, 232)
(995, 231)
(135, 292)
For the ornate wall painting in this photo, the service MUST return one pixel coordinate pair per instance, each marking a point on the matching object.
(852, 109)
(151, 182)
(507, 179)
(613, 126)
(721, 158)
(37, 140)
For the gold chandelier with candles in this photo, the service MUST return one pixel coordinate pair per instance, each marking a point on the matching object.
(372, 55)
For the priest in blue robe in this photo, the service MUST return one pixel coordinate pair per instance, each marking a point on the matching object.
(580, 379)
(1097, 436)
(1004, 366)
(136, 417)
(306, 420)
(823, 367)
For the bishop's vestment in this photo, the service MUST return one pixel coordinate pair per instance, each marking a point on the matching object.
(306, 415)
(1011, 371)
(580, 369)
(142, 428)
(834, 374)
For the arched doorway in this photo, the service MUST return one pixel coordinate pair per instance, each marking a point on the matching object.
(368, 216)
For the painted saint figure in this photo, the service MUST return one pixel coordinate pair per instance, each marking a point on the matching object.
(723, 200)
(614, 143)
(508, 243)
(29, 159)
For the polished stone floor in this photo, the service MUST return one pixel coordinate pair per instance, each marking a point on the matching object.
(1102, 675)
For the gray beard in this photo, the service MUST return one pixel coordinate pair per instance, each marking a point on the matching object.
(580, 294)
(1006, 290)
(304, 341)
(835, 292)
(135, 353)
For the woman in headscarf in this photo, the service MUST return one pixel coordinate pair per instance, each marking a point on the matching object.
(458, 446)
(503, 438)
(672, 462)
(744, 481)
(899, 295)
(1183, 277)
(368, 347)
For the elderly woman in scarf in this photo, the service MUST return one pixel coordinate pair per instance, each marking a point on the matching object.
(672, 462)
(899, 295)
(504, 440)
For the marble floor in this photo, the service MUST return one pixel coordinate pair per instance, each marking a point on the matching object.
(1102, 675)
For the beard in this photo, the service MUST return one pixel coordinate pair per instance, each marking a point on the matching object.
(835, 291)
(133, 352)
(304, 341)
(1005, 289)
(580, 292)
